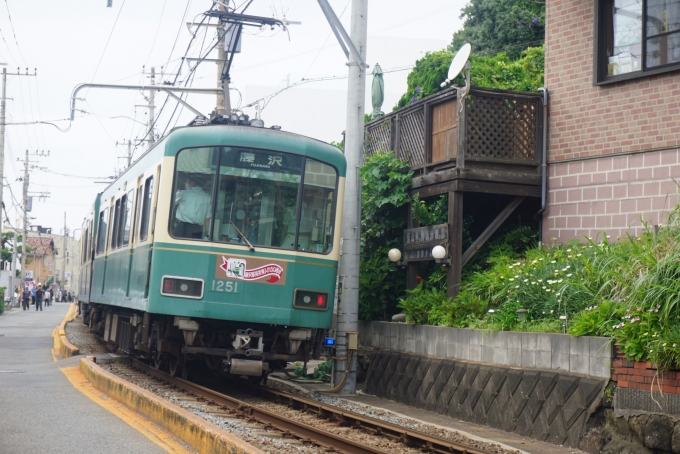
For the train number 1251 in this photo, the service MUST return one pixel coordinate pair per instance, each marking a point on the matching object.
(224, 286)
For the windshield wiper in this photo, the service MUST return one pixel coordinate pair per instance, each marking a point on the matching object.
(243, 237)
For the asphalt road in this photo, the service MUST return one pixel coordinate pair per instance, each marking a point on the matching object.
(40, 410)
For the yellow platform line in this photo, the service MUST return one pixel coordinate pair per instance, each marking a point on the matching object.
(157, 435)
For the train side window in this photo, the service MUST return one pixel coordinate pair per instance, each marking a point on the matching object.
(316, 214)
(193, 192)
(146, 209)
(127, 217)
(84, 242)
(115, 216)
(103, 228)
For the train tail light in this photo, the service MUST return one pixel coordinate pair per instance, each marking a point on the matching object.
(182, 287)
(310, 299)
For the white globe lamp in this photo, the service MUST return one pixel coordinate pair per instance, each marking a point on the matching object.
(394, 255)
(438, 252)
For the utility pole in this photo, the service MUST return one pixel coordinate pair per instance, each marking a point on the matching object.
(3, 110)
(223, 100)
(63, 259)
(152, 112)
(348, 315)
(25, 234)
(128, 156)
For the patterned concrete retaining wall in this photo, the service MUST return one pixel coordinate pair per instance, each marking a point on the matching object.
(590, 356)
(548, 406)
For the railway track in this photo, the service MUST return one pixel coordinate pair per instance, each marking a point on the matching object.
(290, 428)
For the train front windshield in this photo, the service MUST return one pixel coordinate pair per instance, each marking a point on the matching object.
(269, 198)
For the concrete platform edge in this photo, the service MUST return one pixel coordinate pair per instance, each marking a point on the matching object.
(67, 349)
(191, 429)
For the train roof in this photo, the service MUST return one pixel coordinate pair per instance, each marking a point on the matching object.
(249, 136)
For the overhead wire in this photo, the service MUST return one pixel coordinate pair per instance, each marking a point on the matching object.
(11, 24)
(122, 5)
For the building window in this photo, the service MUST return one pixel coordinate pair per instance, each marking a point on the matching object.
(636, 38)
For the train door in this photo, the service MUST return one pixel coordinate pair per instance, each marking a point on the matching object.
(152, 227)
(107, 244)
(127, 241)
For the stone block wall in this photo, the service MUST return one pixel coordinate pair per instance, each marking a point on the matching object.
(591, 356)
(544, 405)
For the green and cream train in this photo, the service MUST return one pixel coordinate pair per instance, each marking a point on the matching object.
(219, 244)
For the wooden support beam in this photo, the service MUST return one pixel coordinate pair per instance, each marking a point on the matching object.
(486, 234)
(453, 274)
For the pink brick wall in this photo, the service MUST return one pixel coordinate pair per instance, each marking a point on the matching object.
(589, 120)
(610, 194)
(588, 196)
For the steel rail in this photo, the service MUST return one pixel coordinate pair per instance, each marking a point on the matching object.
(302, 431)
(407, 436)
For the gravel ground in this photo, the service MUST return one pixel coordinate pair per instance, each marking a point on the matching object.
(388, 416)
(247, 431)
(79, 335)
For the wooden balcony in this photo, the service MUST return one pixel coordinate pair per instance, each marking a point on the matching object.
(489, 142)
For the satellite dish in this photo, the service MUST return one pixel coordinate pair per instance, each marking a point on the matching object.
(458, 63)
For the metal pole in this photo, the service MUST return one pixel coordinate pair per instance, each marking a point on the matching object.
(2, 142)
(348, 315)
(25, 234)
(223, 101)
(152, 112)
(63, 259)
(129, 155)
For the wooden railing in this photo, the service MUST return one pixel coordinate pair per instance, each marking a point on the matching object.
(492, 126)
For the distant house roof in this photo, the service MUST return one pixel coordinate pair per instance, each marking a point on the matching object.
(40, 245)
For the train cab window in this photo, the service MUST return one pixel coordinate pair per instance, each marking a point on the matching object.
(103, 228)
(193, 193)
(126, 206)
(316, 214)
(146, 209)
(257, 197)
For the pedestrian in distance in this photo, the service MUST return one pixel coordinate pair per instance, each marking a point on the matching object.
(39, 294)
(32, 296)
(47, 298)
(25, 299)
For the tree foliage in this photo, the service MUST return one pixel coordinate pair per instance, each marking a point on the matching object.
(501, 25)
(496, 71)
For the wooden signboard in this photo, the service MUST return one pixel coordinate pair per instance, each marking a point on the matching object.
(418, 242)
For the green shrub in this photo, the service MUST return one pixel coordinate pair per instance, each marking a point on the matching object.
(384, 199)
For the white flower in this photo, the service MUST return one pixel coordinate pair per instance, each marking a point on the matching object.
(578, 255)
(541, 259)
(511, 279)
(568, 250)
(553, 261)
(533, 282)
(511, 266)
(526, 280)
(516, 286)
(559, 281)
(557, 294)
(547, 290)
(569, 275)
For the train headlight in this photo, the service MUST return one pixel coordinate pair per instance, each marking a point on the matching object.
(182, 287)
(310, 299)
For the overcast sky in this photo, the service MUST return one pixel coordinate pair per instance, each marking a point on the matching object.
(83, 41)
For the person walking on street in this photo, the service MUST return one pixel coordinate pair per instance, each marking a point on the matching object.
(25, 299)
(32, 296)
(47, 297)
(39, 297)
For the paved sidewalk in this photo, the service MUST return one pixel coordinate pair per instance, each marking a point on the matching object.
(41, 410)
